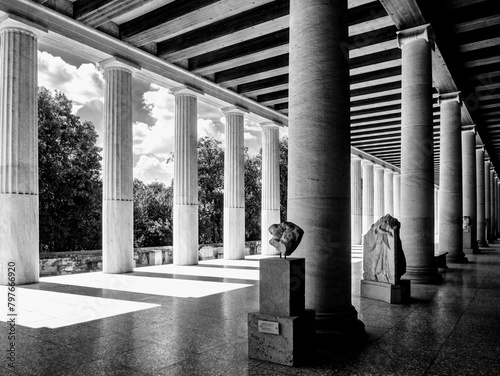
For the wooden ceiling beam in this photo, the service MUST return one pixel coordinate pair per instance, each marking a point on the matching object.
(97, 12)
(180, 17)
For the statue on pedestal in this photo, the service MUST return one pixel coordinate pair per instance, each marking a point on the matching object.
(286, 237)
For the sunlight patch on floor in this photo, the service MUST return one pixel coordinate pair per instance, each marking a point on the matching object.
(200, 271)
(180, 288)
(38, 308)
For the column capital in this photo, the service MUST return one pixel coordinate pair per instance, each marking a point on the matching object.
(11, 21)
(234, 110)
(119, 63)
(388, 170)
(186, 90)
(378, 167)
(450, 97)
(269, 125)
(366, 162)
(355, 157)
(414, 33)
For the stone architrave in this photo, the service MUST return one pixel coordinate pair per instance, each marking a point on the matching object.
(417, 155)
(384, 263)
(378, 192)
(319, 159)
(367, 205)
(234, 184)
(270, 184)
(185, 224)
(356, 199)
(19, 239)
(480, 219)
(450, 179)
(469, 185)
(118, 206)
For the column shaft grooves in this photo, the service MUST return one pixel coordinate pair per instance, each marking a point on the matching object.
(185, 151)
(368, 199)
(18, 111)
(117, 166)
(481, 239)
(270, 169)
(234, 162)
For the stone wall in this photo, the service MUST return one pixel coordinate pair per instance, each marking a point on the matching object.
(91, 261)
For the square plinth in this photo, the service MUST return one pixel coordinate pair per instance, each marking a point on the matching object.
(393, 294)
(282, 286)
(291, 345)
(467, 241)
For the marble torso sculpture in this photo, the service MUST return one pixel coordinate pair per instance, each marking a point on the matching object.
(383, 257)
(286, 237)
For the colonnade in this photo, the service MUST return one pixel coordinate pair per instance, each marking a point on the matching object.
(323, 179)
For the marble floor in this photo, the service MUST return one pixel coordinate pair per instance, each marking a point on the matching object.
(168, 320)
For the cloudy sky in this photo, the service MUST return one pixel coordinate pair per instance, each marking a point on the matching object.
(153, 109)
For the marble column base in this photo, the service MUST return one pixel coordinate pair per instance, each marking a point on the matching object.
(389, 293)
(234, 233)
(482, 244)
(19, 241)
(457, 258)
(118, 237)
(292, 346)
(422, 276)
(185, 250)
(341, 328)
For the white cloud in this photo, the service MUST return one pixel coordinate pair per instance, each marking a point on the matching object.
(150, 168)
(157, 140)
(207, 127)
(81, 84)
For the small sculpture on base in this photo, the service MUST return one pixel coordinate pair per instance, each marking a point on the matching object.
(286, 237)
(384, 263)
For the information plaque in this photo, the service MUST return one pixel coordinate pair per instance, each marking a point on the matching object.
(269, 327)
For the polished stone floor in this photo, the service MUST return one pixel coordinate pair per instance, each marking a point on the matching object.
(192, 321)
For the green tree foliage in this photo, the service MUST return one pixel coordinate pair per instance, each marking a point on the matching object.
(211, 190)
(153, 204)
(69, 177)
(283, 176)
(253, 195)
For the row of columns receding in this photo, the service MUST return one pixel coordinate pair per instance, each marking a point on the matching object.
(319, 189)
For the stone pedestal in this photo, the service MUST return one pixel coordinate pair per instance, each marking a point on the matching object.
(389, 293)
(282, 331)
(467, 241)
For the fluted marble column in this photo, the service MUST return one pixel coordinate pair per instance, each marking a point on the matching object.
(492, 205)
(234, 185)
(368, 200)
(469, 182)
(319, 159)
(436, 215)
(498, 207)
(356, 199)
(450, 179)
(417, 155)
(185, 221)
(270, 184)
(397, 194)
(118, 208)
(481, 213)
(19, 240)
(378, 193)
(388, 192)
(487, 201)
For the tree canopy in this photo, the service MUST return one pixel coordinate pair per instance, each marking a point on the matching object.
(70, 185)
